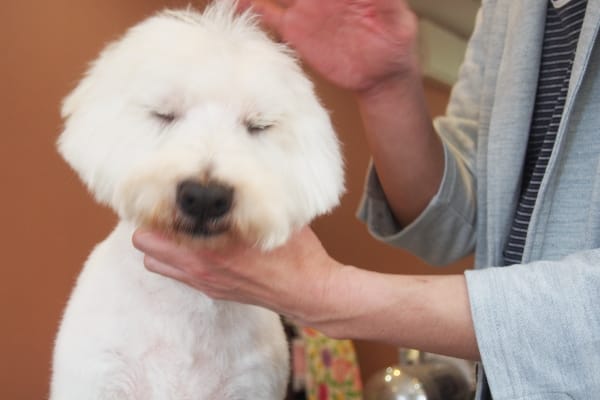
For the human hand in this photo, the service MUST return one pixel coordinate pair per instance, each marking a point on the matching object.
(302, 282)
(293, 280)
(357, 45)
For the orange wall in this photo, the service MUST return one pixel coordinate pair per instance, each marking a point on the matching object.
(49, 221)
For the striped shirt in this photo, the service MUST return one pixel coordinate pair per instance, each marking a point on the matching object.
(563, 24)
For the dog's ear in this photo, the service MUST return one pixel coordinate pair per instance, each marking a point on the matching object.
(82, 91)
(83, 143)
(75, 98)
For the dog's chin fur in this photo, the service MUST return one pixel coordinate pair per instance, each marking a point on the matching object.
(188, 96)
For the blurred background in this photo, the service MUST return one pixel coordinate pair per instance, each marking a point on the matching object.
(49, 221)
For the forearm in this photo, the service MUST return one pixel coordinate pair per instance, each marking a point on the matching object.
(430, 313)
(407, 153)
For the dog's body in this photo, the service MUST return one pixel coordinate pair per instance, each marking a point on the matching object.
(130, 334)
(200, 126)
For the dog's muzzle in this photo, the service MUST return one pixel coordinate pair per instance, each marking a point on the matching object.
(203, 207)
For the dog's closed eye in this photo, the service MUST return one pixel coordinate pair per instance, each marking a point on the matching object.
(164, 117)
(256, 127)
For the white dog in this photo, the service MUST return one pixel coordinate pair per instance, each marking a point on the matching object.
(200, 126)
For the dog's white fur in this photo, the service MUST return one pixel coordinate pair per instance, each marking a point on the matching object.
(188, 96)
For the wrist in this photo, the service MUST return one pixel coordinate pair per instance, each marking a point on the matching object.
(345, 302)
(391, 89)
(402, 76)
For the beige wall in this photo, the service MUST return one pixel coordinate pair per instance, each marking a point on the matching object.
(49, 221)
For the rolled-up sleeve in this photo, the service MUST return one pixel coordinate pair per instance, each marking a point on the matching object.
(442, 233)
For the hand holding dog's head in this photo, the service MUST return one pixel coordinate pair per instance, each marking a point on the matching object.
(198, 124)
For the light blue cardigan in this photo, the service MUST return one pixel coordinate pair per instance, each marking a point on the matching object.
(538, 323)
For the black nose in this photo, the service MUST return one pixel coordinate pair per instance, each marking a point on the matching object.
(203, 202)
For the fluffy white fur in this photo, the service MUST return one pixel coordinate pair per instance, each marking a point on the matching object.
(185, 96)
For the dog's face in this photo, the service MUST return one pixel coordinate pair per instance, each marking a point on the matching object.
(199, 125)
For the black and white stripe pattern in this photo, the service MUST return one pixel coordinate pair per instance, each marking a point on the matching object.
(563, 25)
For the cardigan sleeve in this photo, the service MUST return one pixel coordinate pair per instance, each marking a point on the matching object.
(538, 326)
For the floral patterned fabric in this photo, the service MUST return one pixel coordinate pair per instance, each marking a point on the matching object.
(332, 371)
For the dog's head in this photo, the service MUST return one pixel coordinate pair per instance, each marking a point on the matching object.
(200, 125)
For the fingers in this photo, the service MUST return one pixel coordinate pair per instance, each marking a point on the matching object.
(243, 5)
(159, 247)
(270, 12)
(165, 250)
(190, 266)
(152, 264)
(286, 3)
(168, 271)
